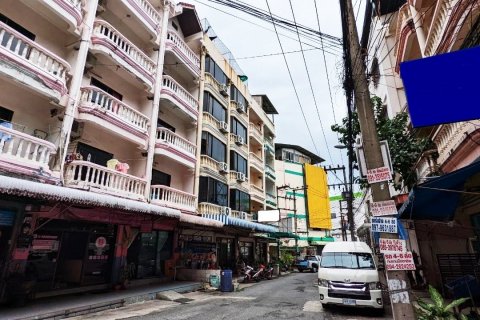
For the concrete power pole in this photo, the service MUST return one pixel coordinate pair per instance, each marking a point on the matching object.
(402, 309)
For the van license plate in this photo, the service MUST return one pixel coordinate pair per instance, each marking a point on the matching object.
(349, 302)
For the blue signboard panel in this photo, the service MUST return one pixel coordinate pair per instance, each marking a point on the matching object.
(443, 88)
(6, 217)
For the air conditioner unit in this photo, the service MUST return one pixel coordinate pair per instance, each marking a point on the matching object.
(224, 90)
(77, 130)
(241, 108)
(243, 215)
(241, 176)
(223, 126)
(226, 211)
(239, 140)
(223, 167)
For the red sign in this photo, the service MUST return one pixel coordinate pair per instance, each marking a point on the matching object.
(383, 208)
(101, 242)
(379, 175)
(399, 261)
(392, 246)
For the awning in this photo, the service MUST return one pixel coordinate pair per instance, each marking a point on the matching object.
(244, 224)
(284, 235)
(438, 199)
(36, 190)
(188, 218)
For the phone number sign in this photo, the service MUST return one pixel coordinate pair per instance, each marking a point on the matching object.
(388, 225)
(399, 261)
(392, 246)
(379, 175)
(384, 208)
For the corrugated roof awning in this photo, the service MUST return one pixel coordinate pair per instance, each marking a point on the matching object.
(438, 198)
(188, 218)
(244, 224)
(36, 190)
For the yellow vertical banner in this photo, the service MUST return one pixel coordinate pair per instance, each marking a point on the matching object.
(318, 202)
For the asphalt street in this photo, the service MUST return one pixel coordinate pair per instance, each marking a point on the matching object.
(294, 296)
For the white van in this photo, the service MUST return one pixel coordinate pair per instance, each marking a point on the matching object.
(347, 276)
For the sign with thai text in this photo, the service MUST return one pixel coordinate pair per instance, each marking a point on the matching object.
(392, 246)
(399, 261)
(384, 208)
(380, 224)
(379, 175)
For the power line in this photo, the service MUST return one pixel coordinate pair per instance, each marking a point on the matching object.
(293, 83)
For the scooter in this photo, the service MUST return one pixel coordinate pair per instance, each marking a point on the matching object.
(268, 272)
(259, 273)
(247, 273)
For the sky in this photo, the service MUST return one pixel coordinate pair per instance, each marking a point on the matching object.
(269, 75)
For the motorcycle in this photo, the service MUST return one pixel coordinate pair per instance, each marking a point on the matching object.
(268, 272)
(247, 272)
(258, 275)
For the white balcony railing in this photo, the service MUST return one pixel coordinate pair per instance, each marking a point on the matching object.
(209, 162)
(215, 86)
(269, 171)
(146, 10)
(170, 197)
(23, 150)
(242, 215)
(437, 26)
(235, 142)
(114, 108)
(256, 161)
(209, 208)
(105, 34)
(271, 199)
(256, 132)
(35, 58)
(257, 191)
(166, 136)
(187, 55)
(208, 119)
(182, 96)
(90, 176)
(449, 136)
(235, 177)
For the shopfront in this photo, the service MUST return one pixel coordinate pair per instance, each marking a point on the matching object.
(65, 254)
(226, 253)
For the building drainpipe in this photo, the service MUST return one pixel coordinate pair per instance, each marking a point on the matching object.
(75, 84)
(417, 21)
(156, 99)
(196, 186)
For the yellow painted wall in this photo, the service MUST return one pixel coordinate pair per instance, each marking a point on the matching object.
(318, 202)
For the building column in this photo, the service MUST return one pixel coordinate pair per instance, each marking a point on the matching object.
(418, 23)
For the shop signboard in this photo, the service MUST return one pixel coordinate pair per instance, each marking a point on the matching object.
(392, 246)
(381, 224)
(383, 208)
(399, 261)
(379, 175)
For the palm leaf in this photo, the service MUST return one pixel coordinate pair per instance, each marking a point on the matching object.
(436, 297)
(455, 303)
(425, 306)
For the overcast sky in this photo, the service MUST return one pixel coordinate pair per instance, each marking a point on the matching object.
(269, 75)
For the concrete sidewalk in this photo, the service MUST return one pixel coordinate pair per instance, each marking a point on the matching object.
(76, 305)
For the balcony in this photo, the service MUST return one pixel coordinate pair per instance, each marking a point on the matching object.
(175, 147)
(93, 177)
(256, 162)
(270, 172)
(437, 26)
(212, 85)
(30, 64)
(257, 193)
(218, 170)
(271, 200)
(24, 154)
(256, 132)
(239, 144)
(146, 14)
(108, 41)
(172, 198)
(213, 124)
(209, 208)
(60, 12)
(179, 97)
(238, 178)
(242, 215)
(240, 111)
(103, 109)
(269, 146)
(180, 51)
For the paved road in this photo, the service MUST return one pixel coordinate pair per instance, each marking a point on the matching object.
(291, 297)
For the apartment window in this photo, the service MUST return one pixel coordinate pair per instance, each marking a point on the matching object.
(235, 95)
(174, 25)
(6, 115)
(93, 154)
(12, 24)
(238, 163)
(107, 89)
(215, 108)
(163, 124)
(236, 127)
(246, 251)
(161, 178)
(213, 68)
(213, 147)
(213, 191)
(239, 200)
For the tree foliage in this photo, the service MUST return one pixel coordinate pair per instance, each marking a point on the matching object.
(438, 310)
(405, 148)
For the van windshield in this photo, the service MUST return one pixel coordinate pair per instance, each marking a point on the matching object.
(347, 260)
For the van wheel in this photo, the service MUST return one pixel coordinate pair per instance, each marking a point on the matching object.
(314, 269)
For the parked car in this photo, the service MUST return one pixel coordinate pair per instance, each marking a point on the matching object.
(348, 276)
(308, 263)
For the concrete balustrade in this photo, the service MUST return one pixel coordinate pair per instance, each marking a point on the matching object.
(166, 136)
(170, 197)
(181, 97)
(176, 44)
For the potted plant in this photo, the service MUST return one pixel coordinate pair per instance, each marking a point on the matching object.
(438, 310)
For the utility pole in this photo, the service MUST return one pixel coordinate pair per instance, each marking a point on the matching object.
(373, 156)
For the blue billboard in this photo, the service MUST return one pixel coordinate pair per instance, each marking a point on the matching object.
(443, 88)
